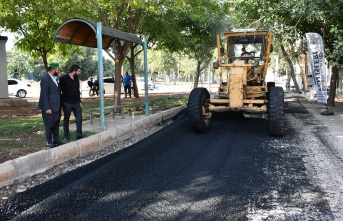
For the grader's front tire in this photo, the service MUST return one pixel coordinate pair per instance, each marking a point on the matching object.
(276, 111)
(200, 119)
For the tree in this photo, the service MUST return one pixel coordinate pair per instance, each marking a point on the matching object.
(34, 23)
(126, 16)
(291, 20)
(284, 53)
(190, 28)
(86, 58)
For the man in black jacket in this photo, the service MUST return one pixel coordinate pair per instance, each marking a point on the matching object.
(71, 100)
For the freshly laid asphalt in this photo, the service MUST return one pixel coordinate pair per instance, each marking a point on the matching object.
(115, 129)
(229, 173)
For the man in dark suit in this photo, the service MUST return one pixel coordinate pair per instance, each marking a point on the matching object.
(50, 104)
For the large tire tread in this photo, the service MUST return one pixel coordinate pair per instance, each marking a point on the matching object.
(195, 102)
(276, 113)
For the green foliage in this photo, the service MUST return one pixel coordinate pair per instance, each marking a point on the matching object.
(34, 23)
(290, 20)
(87, 59)
(168, 102)
(336, 56)
(187, 28)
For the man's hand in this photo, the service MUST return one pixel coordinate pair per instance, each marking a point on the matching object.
(48, 111)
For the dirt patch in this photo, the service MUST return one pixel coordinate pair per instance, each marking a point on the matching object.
(29, 110)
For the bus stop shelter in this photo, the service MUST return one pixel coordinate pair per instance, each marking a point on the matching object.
(85, 33)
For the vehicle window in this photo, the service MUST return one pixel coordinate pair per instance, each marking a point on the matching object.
(249, 48)
(12, 82)
(141, 79)
(108, 80)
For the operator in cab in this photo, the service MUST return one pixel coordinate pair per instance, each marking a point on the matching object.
(245, 53)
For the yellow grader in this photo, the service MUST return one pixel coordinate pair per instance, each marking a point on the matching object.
(244, 88)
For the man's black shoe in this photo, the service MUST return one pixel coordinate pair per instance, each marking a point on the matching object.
(58, 143)
(80, 137)
(66, 139)
(50, 144)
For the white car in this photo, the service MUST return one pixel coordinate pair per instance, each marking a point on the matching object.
(141, 82)
(108, 86)
(18, 88)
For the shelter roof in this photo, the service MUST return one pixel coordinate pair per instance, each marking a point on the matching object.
(82, 32)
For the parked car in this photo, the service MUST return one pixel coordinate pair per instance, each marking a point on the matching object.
(158, 80)
(141, 82)
(18, 88)
(108, 86)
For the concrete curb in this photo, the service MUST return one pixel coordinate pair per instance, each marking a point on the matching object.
(43, 160)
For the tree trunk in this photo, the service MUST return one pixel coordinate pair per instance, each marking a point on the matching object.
(285, 55)
(45, 61)
(302, 63)
(134, 82)
(197, 74)
(200, 69)
(333, 83)
(117, 79)
(174, 74)
(132, 69)
(339, 93)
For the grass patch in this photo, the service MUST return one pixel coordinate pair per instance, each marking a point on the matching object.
(15, 133)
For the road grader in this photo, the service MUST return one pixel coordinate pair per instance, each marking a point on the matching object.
(243, 88)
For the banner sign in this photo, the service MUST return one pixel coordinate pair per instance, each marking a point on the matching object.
(316, 53)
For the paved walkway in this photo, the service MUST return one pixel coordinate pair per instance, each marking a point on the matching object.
(334, 122)
(110, 122)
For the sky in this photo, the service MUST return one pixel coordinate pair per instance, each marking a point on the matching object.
(10, 41)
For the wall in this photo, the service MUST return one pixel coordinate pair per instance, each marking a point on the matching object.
(3, 68)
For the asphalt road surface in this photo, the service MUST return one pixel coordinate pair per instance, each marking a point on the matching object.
(236, 171)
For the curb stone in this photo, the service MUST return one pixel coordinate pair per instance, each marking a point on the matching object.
(43, 160)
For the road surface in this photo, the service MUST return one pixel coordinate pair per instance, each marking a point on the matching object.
(236, 171)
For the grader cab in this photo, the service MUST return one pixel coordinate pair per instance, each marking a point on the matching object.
(243, 87)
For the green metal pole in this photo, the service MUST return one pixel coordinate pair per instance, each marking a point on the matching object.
(146, 77)
(100, 72)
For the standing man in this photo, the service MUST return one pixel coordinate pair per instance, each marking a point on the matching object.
(50, 104)
(71, 100)
(245, 53)
(127, 84)
(90, 85)
(96, 86)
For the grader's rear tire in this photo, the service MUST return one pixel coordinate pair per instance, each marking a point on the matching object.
(276, 111)
(200, 123)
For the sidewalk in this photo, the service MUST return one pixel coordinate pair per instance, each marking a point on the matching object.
(334, 122)
(116, 129)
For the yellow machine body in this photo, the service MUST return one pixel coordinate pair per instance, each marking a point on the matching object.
(244, 88)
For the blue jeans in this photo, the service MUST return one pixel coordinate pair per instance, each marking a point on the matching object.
(77, 110)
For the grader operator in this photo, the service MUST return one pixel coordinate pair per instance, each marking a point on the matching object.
(243, 87)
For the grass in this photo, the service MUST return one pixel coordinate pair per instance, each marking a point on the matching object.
(25, 134)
